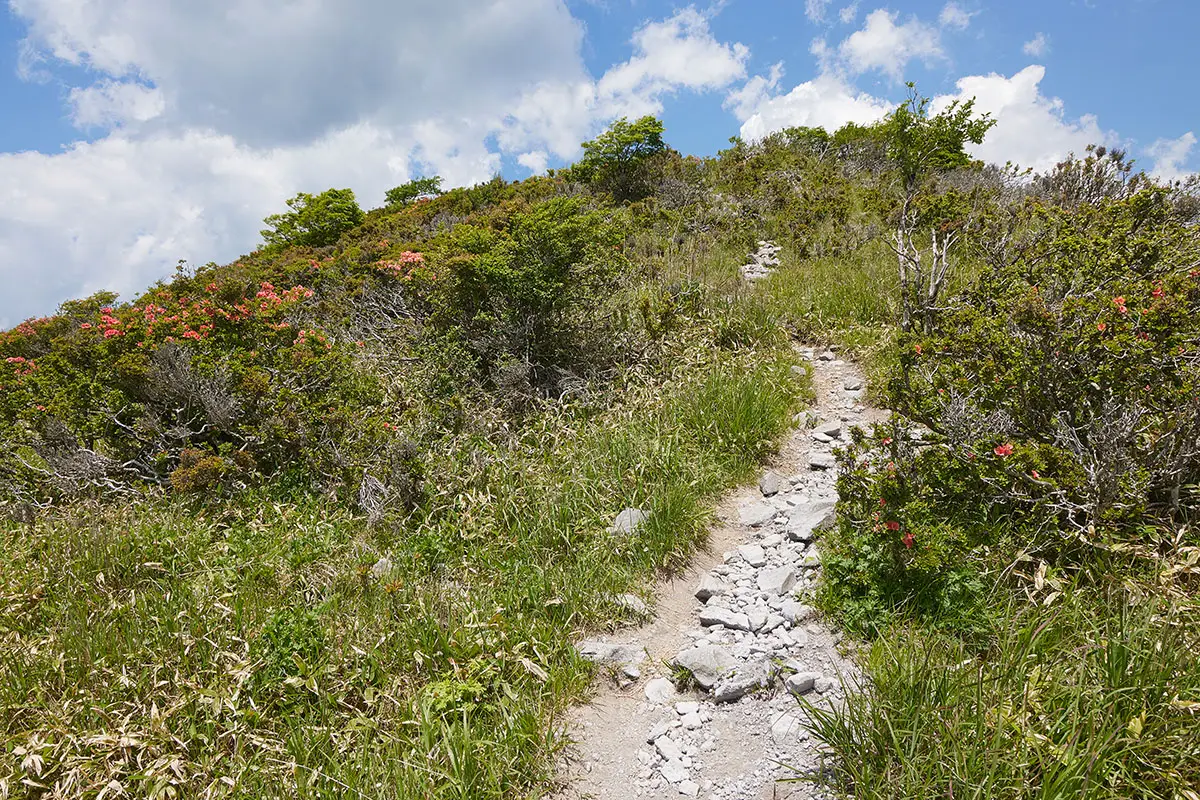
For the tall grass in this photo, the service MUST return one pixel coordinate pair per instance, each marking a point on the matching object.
(133, 652)
(1093, 698)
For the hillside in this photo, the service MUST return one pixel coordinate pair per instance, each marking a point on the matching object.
(328, 520)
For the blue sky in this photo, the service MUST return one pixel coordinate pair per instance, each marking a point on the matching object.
(140, 132)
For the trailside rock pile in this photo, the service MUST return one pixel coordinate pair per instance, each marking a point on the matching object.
(732, 726)
(762, 261)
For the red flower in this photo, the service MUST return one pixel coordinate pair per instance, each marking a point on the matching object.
(1158, 292)
(1100, 326)
(893, 526)
(907, 539)
(917, 347)
(87, 326)
(1035, 475)
(1004, 450)
(1119, 300)
(886, 441)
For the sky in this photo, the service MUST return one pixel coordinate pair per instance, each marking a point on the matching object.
(138, 133)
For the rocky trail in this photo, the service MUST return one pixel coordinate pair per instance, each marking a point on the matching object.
(737, 620)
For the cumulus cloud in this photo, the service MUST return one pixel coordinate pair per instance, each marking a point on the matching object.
(110, 103)
(826, 101)
(887, 45)
(275, 72)
(1170, 157)
(217, 112)
(1032, 130)
(1038, 46)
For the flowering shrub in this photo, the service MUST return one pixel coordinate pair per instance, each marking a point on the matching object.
(1064, 388)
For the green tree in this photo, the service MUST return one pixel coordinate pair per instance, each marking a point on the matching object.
(315, 220)
(919, 144)
(405, 193)
(619, 160)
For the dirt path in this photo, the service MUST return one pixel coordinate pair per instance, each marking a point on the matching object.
(754, 641)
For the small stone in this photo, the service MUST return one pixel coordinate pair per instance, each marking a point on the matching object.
(852, 385)
(787, 727)
(726, 618)
(806, 522)
(756, 513)
(631, 602)
(821, 461)
(831, 429)
(689, 788)
(757, 617)
(752, 554)
(774, 540)
(667, 748)
(801, 683)
(773, 622)
(686, 707)
(795, 612)
(824, 685)
(707, 663)
(822, 438)
(631, 672)
(382, 567)
(659, 730)
(812, 557)
(770, 483)
(778, 580)
(628, 521)
(691, 722)
(745, 680)
(605, 653)
(827, 355)
(674, 771)
(660, 691)
(710, 586)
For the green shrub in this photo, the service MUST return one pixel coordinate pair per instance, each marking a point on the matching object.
(315, 220)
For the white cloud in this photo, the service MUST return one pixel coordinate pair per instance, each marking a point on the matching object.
(886, 45)
(1170, 157)
(826, 101)
(220, 111)
(679, 52)
(849, 13)
(953, 16)
(745, 101)
(1038, 46)
(1032, 130)
(815, 9)
(110, 103)
(275, 72)
(535, 161)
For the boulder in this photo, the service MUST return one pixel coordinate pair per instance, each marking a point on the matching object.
(743, 681)
(752, 554)
(726, 618)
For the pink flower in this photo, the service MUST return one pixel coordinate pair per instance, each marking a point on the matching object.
(893, 526)
(1004, 450)
(1100, 326)
(1035, 475)
(917, 347)
(908, 539)
(87, 326)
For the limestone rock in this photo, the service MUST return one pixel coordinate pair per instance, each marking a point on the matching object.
(710, 586)
(745, 680)
(802, 682)
(727, 618)
(770, 483)
(628, 521)
(660, 691)
(707, 663)
(778, 580)
(756, 513)
(752, 554)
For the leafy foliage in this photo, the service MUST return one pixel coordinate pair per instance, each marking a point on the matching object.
(620, 160)
(315, 220)
(406, 193)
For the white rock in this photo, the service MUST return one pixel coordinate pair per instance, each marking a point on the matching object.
(660, 691)
(802, 682)
(707, 663)
(710, 586)
(770, 483)
(752, 554)
(689, 788)
(831, 429)
(628, 521)
(778, 580)
(659, 730)
(821, 461)
(674, 771)
(757, 617)
(691, 721)
(756, 513)
(727, 618)
(667, 748)
(795, 612)
(686, 707)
